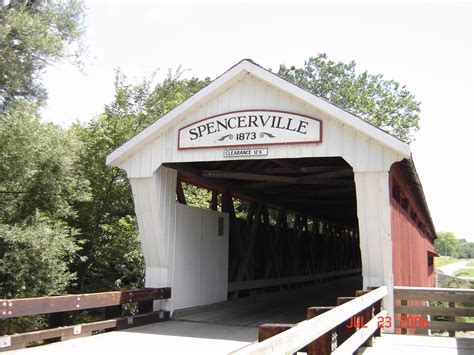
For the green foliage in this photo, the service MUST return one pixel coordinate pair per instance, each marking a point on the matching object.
(117, 255)
(196, 196)
(469, 272)
(446, 244)
(34, 34)
(444, 260)
(35, 257)
(465, 249)
(383, 103)
(453, 282)
(38, 167)
(107, 221)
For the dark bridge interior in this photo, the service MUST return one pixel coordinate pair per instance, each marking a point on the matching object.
(292, 221)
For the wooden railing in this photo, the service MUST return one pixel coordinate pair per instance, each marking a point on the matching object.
(262, 283)
(450, 303)
(59, 307)
(315, 335)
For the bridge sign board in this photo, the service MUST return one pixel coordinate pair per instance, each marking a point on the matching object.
(250, 128)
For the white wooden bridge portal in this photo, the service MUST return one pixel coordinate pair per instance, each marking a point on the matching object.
(252, 136)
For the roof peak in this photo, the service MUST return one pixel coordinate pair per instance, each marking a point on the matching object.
(246, 64)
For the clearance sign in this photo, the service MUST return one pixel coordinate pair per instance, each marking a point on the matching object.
(250, 128)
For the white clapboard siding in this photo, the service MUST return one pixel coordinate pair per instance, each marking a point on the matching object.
(200, 258)
(373, 211)
(362, 152)
(154, 199)
(187, 255)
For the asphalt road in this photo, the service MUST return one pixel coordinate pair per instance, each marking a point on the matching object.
(450, 269)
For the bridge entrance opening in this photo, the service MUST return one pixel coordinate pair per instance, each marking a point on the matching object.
(292, 222)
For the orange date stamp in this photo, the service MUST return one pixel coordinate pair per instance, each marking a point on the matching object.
(416, 322)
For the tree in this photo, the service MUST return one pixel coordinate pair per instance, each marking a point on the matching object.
(38, 167)
(446, 244)
(39, 184)
(39, 179)
(35, 257)
(465, 249)
(107, 221)
(383, 103)
(34, 34)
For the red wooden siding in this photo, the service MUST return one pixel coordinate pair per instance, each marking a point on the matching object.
(411, 238)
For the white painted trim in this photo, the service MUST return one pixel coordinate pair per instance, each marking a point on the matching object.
(166, 121)
(293, 339)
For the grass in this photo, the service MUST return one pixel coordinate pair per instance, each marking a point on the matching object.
(444, 260)
(464, 272)
(471, 263)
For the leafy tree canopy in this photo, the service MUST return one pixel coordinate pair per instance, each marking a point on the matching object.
(38, 167)
(40, 182)
(465, 249)
(446, 244)
(383, 103)
(35, 257)
(107, 221)
(33, 34)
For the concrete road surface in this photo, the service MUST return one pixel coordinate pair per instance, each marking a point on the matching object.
(450, 269)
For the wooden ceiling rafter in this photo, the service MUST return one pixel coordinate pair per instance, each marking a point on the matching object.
(285, 164)
(329, 196)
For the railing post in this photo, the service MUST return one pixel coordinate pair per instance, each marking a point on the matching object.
(452, 333)
(57, 319)
(403, 315)
(113, 312)
(145, 307)
(343, 333)
(367, 315)
(268, 330)
(377, 309)
(322, 345)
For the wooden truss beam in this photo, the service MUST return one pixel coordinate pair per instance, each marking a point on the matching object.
(193, 176)
(310, 179)
(179, 191)
(300, 170)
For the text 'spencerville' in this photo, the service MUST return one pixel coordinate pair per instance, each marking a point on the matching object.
(244, 121)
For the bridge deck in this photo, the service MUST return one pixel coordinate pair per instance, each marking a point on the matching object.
(216, 329)
(390, 344)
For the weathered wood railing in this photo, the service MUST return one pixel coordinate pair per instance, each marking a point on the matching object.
(416, 317)
(315, 334)
(58, 307)
(262, 283)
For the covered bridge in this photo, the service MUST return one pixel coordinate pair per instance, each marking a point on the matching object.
(300, 190)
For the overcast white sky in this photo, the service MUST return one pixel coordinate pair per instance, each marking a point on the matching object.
(426, 46)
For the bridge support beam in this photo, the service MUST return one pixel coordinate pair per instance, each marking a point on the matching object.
(373, 212)
(155, 198)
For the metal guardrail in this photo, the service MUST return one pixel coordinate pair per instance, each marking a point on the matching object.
(315, 333)
(58, 307)
(415, 316)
